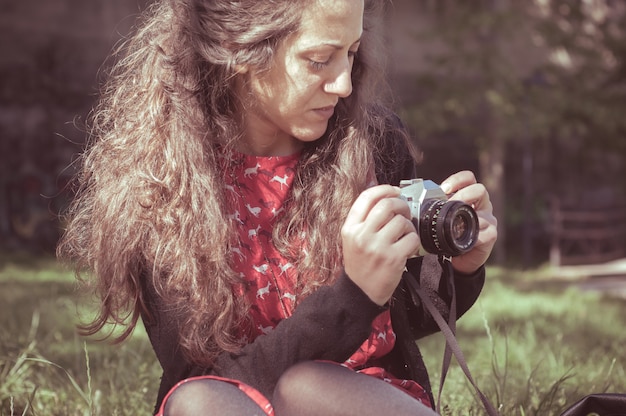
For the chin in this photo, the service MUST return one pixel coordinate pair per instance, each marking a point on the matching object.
(310, 135)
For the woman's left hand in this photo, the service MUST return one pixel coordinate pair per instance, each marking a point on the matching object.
(464, 187)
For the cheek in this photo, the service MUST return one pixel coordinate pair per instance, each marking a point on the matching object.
(288, 93)
(291, 101)
(299, 85)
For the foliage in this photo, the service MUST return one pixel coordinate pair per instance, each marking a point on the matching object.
(534, 92)
(548, 69)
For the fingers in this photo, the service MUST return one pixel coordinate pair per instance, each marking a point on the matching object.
(384, 211)
(472, 260)
(462, 186)
(378, 237)
(379, 210)
(475, 195)
(466, 189)
(385, 220)
(396, 241)
(399, 236)
(409, 243)
(458, 181)
(367, 200)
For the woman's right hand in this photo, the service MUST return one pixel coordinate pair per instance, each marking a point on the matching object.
(378, 237)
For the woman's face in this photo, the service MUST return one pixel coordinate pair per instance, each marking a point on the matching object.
(293, 101)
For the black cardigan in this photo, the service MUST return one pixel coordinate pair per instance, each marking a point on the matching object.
(331, 323)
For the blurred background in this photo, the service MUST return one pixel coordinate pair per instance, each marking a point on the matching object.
(531, 95)
(51, 55)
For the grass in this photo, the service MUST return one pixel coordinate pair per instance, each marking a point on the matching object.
(533, 347)
(46, 369)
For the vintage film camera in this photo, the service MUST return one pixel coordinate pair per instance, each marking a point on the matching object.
(449, 228)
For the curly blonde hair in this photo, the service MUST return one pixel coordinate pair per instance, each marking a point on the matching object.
(150, 207)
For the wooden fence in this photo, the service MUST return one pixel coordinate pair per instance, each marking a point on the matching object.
(587, 236)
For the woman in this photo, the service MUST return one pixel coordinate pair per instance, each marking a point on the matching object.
(229, 197)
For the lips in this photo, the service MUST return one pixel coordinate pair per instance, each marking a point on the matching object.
(325, 112)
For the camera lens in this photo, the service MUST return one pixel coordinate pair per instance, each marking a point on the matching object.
(459, 227)
(447, 227)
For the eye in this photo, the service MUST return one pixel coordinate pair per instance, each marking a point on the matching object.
(317, 65)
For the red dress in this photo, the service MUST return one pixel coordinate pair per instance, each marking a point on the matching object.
(256, 188)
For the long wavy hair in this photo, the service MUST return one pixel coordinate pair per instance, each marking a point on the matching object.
(150, 205)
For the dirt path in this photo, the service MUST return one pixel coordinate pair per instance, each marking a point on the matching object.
(609, 278)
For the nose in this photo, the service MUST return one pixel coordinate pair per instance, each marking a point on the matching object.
(341, 83)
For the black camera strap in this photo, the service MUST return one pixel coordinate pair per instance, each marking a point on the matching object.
(452, 346)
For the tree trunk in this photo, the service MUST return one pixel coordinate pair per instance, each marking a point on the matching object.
(491, 157)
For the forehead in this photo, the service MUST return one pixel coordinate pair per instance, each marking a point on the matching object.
(331, 21)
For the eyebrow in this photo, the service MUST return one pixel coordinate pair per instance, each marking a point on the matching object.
(334, 45)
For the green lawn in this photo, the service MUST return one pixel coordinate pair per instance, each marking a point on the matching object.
(534, 347)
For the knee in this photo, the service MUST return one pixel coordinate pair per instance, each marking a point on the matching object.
(186, 399)
(213, 397)
(300, 380)
(291, 384)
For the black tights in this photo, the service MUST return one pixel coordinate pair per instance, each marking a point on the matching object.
(306, 389)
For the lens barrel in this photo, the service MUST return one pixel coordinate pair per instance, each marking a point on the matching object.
(447, 227)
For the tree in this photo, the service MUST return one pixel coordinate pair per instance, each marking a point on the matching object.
(535, 88)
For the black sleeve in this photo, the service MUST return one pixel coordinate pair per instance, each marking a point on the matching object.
(437, 279)
(330, 324)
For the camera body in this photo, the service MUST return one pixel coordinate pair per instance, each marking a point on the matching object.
(448, 228)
